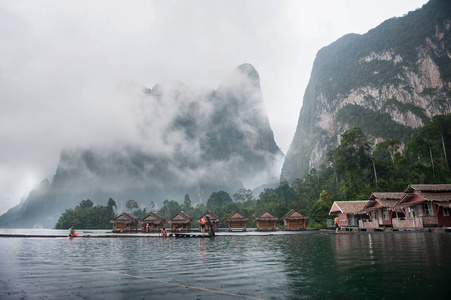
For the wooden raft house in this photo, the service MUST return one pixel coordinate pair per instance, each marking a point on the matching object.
(348, 212)
(153, 222)
(380, 210)
(266, 220)
(424, 205)
(237, 221)
(181, 222)
(214, 219)
(294, 220)
(125, 222)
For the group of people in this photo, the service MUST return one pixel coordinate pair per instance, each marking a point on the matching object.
(149, 228)
(203, 224)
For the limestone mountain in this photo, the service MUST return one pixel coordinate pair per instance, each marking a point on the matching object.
(389, 82)
(184, 141)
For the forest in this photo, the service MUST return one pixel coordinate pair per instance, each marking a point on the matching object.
(352, 171)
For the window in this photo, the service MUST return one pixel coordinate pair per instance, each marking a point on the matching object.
(420, 210)
(410, 212)
(428, 209)
(445, 211)
(374, 215)
(385, 212)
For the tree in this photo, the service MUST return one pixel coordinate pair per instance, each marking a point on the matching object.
(243, 195)
(320, 211)
(170, 208)
(187, 202)
(111, 203)
(86, 216)
(86, 203)
(131, 204)
(153, 206)
(218, 199)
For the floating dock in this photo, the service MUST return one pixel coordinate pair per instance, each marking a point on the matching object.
(190, 235)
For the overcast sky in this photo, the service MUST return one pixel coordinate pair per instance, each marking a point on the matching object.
(62, 63)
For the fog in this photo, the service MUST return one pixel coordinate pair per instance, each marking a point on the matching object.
(72, 72)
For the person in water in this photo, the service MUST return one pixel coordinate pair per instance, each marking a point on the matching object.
(164, 233)
(71, 231)
(202, 225)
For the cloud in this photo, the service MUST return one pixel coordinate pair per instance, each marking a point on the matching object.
(177, 136)
(65, 60)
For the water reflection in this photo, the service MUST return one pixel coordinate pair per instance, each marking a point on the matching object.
(375, 266)
(304, 266)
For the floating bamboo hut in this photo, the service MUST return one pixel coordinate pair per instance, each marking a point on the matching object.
(153, 222)
(214, 219)
(237, 221)
(294, 220)
(266, 220)
(180, 222)
(125, 222)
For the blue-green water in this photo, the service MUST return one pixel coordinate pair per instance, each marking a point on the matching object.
(385, 265)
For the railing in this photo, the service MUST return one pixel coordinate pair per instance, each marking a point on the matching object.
(366, 223)
(407, 222)
(430, 220)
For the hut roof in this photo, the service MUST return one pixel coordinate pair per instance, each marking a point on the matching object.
(348, 207)
(126, 218)
(237, 216)
(422, 197)
(213, 218)
(387, 196)
(379, 204)
(154, 218)
(266, 216)
(293, 215)
(181, 218)
(424, 188)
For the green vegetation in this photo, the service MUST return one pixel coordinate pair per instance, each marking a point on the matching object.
(88, 216)
(376, 123)
(352, 172)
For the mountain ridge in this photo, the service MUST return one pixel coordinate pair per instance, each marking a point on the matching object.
(190, 142)
(400, 69)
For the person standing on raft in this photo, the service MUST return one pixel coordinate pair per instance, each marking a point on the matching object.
(337, 226)
(202, 225)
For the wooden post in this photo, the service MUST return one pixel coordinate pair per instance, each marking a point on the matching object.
(211, 230)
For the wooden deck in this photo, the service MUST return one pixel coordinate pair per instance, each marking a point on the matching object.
(190, 235)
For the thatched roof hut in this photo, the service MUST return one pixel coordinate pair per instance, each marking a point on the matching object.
(294, 220)
(237, 221)
(125, 222)
(266, 220)
(153, 222)
(214, 219)
(180, 222)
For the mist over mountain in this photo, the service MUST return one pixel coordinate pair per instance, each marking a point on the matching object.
(183, 141)
(388, 82)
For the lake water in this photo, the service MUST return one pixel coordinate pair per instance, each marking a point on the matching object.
(308, 265)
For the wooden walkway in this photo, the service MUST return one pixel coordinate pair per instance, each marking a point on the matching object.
(190, 235)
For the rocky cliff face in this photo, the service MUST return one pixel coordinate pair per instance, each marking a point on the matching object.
(388, 82)
(186, 142)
